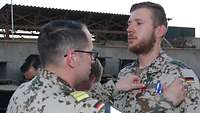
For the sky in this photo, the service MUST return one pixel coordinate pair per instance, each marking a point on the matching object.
(184, 13)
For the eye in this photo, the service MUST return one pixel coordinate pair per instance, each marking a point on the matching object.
(139, 23)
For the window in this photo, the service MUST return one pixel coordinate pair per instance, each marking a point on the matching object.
(124, 62)
(3, 69)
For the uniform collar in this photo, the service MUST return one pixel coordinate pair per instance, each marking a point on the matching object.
(55, 80)
(156, 64)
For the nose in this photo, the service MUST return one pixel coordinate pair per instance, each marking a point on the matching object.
(130, 28)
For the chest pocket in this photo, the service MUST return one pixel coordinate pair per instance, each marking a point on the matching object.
(150, 78)
(79, 95)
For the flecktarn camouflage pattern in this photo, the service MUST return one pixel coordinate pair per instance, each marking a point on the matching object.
(47, 93)
(163, 69)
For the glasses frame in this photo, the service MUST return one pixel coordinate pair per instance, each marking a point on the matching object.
(94, 54)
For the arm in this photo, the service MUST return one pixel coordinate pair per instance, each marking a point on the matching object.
(191, 84)
(107, 91)
(103, 92)
(178, 94)
(174, 95)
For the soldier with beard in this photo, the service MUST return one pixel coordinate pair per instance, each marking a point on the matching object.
(147, 26)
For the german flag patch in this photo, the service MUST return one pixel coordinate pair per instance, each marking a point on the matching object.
(189, 79)
(99, 106)
(79, 95)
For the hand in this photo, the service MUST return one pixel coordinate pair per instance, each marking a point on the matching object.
(128, 83)
(175, 92)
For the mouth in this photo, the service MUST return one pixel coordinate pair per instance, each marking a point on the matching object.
(131, 37)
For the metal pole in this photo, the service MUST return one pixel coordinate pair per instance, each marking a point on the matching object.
(12, 22)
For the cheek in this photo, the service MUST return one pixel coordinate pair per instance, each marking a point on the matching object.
(89, 59)
(145, 33)
(31, 71)
(87, 65)
(142, 32)
(28, 75)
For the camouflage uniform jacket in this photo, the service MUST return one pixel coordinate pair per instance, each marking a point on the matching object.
(47, 93)
(164, 70)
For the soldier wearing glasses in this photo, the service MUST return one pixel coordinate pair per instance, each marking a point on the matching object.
(66, 55)
(65, 49)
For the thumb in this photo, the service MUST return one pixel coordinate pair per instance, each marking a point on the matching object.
(164, 87)
(138, 86)
(136, 79)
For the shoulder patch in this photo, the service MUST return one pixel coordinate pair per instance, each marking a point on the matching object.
(180, 64)
(189, 79)
(99, 106)
(79, 95)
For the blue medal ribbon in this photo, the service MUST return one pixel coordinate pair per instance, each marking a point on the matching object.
(158, 88)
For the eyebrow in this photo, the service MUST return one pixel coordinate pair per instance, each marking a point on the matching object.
(136, 20)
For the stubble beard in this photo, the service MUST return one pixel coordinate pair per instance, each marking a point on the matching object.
(143, 47)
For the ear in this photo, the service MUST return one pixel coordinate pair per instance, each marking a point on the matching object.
(160, 31)
(93, 78)
(71, 58)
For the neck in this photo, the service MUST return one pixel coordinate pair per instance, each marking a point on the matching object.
(62, 73)
(147, 58)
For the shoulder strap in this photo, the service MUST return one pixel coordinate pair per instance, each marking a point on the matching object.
(180, 64)
(79, 95)
(99, 106)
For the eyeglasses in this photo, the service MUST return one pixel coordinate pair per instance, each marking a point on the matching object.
(93, 54)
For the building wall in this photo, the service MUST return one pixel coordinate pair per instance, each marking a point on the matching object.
(14, 53)
(188, 56)
(196, 42)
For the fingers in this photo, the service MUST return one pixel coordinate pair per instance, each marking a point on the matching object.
(164, 87)
(130, 82)
(175, 92)
(135, 79)
(138, 86)
(136, 82)
(179, 83)
(179, 80)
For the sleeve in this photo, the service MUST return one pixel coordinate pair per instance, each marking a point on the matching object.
(191, 84)
(104, 92)
(191, 102)
(108, 92)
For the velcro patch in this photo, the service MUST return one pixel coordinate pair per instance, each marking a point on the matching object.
(79, 95)
(99, 106)
(189, 79)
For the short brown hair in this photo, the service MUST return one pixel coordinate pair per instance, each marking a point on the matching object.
(97, 70)
(158, 12)
(57, 36)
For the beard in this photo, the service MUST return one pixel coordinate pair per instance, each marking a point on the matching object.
(144, 46)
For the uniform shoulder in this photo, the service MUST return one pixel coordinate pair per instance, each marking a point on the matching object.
(179, 63)
(75, 102)
(129, 65)
(79, 96)
(186, 72)
(84, 101)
